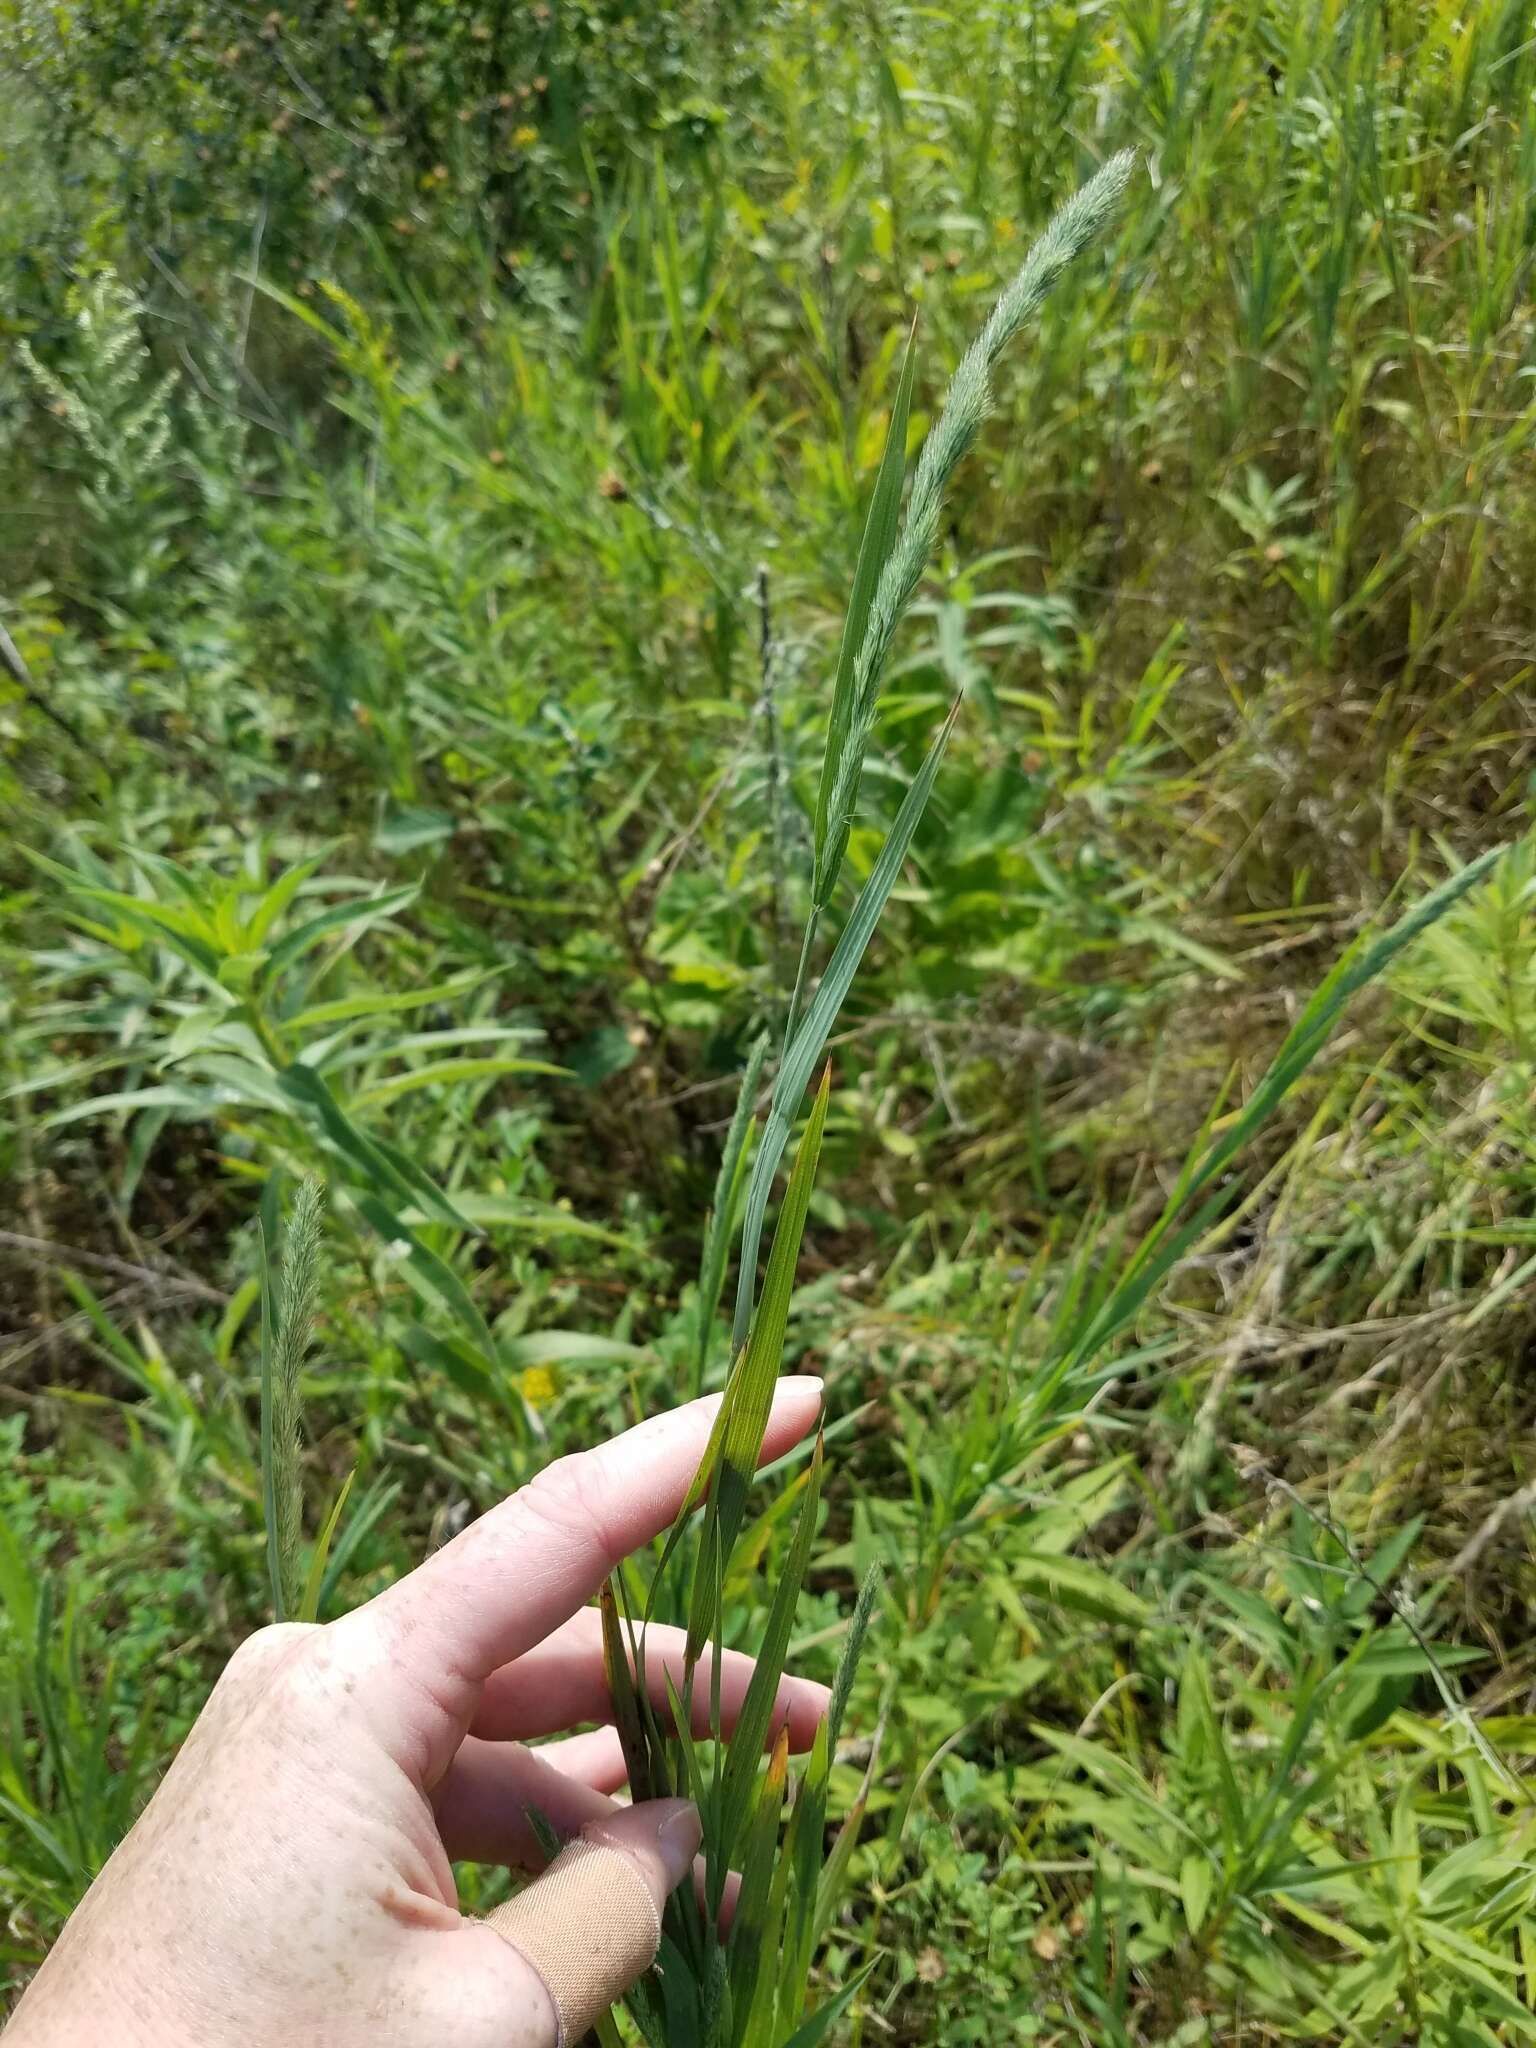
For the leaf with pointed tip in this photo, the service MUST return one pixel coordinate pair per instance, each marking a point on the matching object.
(165, 1095)
(309, 1605)
(186, 932)
(359, 912)
(347, 1009)
(371, 1510)
(822, 2021)
(442, 1073)
(853, 1650)
(429, 1274)
(280, 895)
(1169, 1239)
(386, 1169)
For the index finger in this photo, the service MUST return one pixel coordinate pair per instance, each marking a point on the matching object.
(529, 1563)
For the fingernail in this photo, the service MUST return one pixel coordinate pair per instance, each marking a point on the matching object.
(678, 1832)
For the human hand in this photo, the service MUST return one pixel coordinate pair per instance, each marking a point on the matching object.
(290, 1883)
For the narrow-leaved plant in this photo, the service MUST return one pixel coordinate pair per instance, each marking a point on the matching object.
(749, 1989)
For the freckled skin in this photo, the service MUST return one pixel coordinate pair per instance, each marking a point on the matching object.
(281, 1885)
(290, 1884)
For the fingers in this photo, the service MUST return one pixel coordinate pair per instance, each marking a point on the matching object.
(482, 1803)
(595, 1759)
(562, 1683)
(527, 1566)
(592, 1923)
(538, 1972)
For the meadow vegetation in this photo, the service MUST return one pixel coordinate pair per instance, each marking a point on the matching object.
(435, 447)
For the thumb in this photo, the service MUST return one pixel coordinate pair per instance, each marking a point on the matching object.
(592, 1923)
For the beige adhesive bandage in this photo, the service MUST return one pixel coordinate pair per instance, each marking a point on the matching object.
(589, 1927)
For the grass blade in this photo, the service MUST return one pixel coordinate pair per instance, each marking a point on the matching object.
(625, 1694)
(1168, 1240)
(874, 551)
(965, 405)
(803, 1855)
(375, 1504)
(752, 1931)
(266, 1229)
(810, 1040)
(430, 1275)
(822, 2021)
(722, 1215)
(744, 1411)
(309, 1605)
(853, 1650)
(382, 1166)
(756, 1714)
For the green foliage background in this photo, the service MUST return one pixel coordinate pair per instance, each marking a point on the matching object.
(433, 449)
